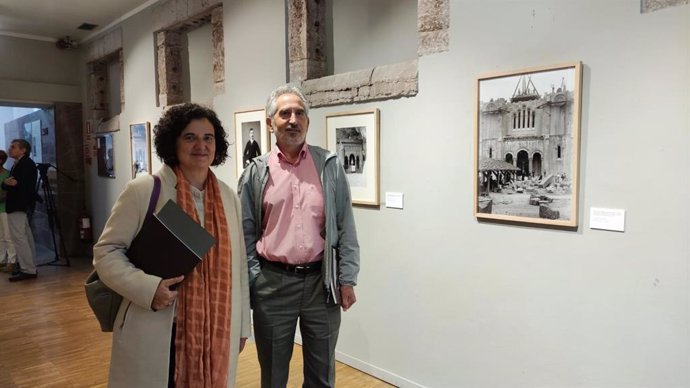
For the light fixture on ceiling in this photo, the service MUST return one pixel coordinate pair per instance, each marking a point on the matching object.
(66, 43)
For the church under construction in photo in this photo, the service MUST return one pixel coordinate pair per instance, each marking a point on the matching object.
(531, 131)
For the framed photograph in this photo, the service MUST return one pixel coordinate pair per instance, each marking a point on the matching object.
(354, 137)
(251, 137)
(140, 143)
(527, 143)
(104, 156)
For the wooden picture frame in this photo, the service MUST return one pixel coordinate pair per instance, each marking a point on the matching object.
(354, 137)
(140, 147)
(250, 124)
(105, 154)
(527, 144)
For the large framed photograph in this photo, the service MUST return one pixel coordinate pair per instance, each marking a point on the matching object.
(140, 144)
(105, 155)
(251, 137)
(527, 142)
(354, 137)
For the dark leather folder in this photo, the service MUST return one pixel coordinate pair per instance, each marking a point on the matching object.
(170, 243)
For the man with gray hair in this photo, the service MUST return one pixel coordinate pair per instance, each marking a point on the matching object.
(20, 201)
(301, 243)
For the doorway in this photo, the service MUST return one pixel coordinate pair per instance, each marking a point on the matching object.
(60, 185)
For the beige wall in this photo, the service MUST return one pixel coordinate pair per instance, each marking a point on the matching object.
(36, 71)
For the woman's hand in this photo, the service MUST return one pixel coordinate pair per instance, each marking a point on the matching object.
(164, 296)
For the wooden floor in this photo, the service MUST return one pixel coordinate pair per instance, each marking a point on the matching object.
(49, 337)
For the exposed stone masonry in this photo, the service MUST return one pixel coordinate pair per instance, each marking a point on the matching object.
(306, 34)
(168, 44)
(378, 83)
(172, 19)
(655, 5)
(99, 54)
(433, 21)
(104, 46)
(173, 14)
(218, 50)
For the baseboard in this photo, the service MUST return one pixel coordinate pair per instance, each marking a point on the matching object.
(369, 369)
(375, 371)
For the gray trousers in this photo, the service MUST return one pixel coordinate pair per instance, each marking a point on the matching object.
(23, 241)
(279, 299)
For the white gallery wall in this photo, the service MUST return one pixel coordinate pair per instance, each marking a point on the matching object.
(445, 300)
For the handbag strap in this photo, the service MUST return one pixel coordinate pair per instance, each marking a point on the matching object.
(154, 195)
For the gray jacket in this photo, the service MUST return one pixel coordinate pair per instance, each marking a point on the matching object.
(341, 250)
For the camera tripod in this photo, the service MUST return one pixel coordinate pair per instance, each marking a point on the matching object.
(51, 211)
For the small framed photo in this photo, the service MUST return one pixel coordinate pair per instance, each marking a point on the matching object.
(251, 137)
(527, 145)
(105, 154)
(140, 145)
(354, 137)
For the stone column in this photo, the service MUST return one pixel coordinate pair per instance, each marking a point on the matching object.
(433, 21)
(98, 90)
(169, 67)
(306, 32)
(218, 50)
(122, 80)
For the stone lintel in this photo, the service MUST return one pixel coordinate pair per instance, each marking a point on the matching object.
(395, 72)
(173, 14)
(168, 13)
(401, 88)
(383, 82)
(344, 81)
(195, 7)
(104, 46)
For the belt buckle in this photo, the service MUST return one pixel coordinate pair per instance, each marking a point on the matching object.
(299, 269)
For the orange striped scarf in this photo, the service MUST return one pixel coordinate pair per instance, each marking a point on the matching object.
(202, 340)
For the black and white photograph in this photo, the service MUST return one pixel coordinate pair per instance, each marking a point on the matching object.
(140, 136)
(251, 137)
(527, 148)
(351, 146)
(354, 137)
(105, 156)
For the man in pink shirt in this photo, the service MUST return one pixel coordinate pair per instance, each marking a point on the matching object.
(301, 245)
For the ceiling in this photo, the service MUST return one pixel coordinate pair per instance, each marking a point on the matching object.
(50, 20)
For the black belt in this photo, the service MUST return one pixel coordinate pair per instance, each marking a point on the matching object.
(302, 269)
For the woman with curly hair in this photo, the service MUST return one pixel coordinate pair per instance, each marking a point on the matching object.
(185, 331)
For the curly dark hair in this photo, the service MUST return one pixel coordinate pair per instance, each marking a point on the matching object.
(175, 120)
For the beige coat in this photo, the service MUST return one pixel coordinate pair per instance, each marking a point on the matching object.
(141, 338)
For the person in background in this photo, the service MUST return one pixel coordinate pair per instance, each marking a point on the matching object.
(299, 230)
(189, 336)
(8, 256)
(20, 201)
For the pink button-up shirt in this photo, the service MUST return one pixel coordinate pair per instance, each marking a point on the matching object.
(293, 211)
